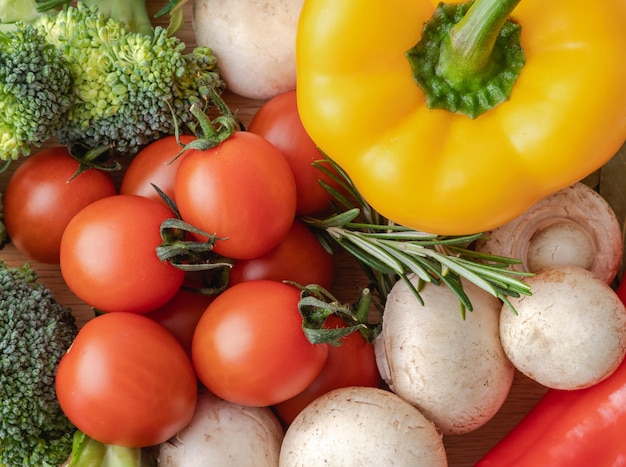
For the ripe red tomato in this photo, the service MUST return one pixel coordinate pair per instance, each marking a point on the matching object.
(249, 347)
(126, 381)
(153, 165)
(278, 121)
(299, 258)
(353, 363)
(108, 256)
(181, 314)
(242, 190)
(39, 201)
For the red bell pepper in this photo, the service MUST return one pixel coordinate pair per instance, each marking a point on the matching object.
(586, 427)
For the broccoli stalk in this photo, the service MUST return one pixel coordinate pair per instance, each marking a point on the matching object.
(35, 332)
(25, 11)
(87, 452)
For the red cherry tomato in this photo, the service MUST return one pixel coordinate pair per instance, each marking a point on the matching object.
(249, 347)
(40, 200)
(126, 381)
(353, 363)
(181, 314)
(108, 256)
(241, 190)
(155, 164)
(278, 121)
(299, 258)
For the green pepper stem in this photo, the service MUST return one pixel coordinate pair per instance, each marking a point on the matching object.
(466, 56)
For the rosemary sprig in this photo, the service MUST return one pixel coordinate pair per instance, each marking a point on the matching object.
(388, 252)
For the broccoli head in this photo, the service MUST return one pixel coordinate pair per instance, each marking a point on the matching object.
(35, 332)
(34, 91)
(129, 88)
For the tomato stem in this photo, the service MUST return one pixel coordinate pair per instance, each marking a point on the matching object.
(213, 132)
(189, 255)
(93, 158)
(317, 304)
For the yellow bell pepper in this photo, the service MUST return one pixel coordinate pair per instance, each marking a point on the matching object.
(454, 171)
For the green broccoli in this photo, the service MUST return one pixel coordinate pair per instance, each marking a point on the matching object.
(87, 452)
(34, 91)
(129, 88)
(35, 332)
(4, 236)
(134, 13)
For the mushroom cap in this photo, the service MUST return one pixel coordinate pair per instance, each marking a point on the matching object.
(231, 435)
(362, 426)
(452, 368)
(570, 333)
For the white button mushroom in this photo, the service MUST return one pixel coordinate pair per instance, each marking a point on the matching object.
(226, 435)
(359, 426)
(254, 42)
(453, 369)
(574, 226)
(570, 333)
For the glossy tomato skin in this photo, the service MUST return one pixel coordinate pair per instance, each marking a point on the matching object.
(249, 347)
(39, 200)
(155, 164)
(278, 121)
(242, 190)
(108, 256)
(181, 314)
(126, 381)
(299, 258)
(353, 363)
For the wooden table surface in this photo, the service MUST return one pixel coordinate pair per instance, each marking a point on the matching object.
(463, 450)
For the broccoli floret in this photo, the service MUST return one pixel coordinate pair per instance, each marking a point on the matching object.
(129, 88)
(35, 87)
(134, 13)
(4, 235)
(35, 332)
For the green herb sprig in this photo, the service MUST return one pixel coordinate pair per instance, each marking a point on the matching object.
(388, 252)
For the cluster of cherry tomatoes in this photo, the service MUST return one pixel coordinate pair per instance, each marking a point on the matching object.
(132, 375)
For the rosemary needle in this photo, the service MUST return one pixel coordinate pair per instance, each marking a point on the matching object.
(388, 252)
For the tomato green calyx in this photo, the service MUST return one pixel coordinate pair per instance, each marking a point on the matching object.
(317, 304)
(212, 132)
(100, 158)
(190, 255)
(469, 56)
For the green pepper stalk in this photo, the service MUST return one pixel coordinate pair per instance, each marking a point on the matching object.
(469, 56)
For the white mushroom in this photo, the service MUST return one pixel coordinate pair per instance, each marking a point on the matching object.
(453, 369)
(254, 42)
(226, 435)
(361, 426)
(570, 333)
(574, 226)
